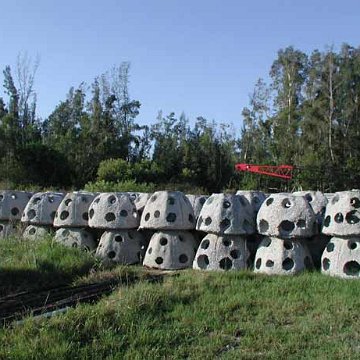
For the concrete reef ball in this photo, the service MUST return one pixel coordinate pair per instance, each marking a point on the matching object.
(113, 211)
(255, 198)
(227, 252)
(341, 257)
(342, 216)
(73, 210)
(170, 250)
(197, 202)
(76, 238)
(12, 204)
(123, 247)
(36, 232)
(140, 201)
(41, 208)
(282, 257)
(168, 210)
(227, 214)
(286, 216)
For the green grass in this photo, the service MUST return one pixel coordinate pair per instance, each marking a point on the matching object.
(198, 315)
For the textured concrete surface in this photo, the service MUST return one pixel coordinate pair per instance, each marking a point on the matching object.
(255, 198)
(140, 202)
(170, 250)
(342, 215)
(341, 258)
(316, 245)
(8, 228)
(168, 210)
(227, 252)
(282, 257)
(226, 214)
(36, 232)
(123, 247)
(286, 216)
(12, 204)
(197, 202)
(113, 211)
(76, 238)
(41, 208)
(73, 210)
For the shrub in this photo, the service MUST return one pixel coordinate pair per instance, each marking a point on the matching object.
(119, 186)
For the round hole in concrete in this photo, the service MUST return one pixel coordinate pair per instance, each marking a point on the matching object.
(15, 211)
(269, 263)
(327, 221)
(202, 261)
(352, 245)
(288, 264)
(205, 244)
(335, 199)
(171, 201)
(147, 216)
(74, 245)
(181, 238)
(301, 224)
(352, 268)
(159, 260)
(355, 202)
(286, 226)
(288, 245)
(235, 254)
(118, 238)
(258, 263)
(156, 213)
(330, 247)
(226, 204)
(84, 199)
(208, 221)
(339, 218)
(308, 197)
(123, 213)
(191, 218)
(286, 203)
(65, 232)
(269, 201)
(91, 213)
(32, 231)
(31, 214)
(51, 199)
(263, 226)
(68, 202)
(96, 201)
(153, 198)
(150, 251)
(224, 224)
(110, 216)
(209, 200)
(171, 217)
(266, 242)
(64, 215)
(112, 199)
(163, 241)
(111, 254)
(36, 200)
(351, 218)
(326, 264)
(226, 242)
(202, 201)
(225, 263)
(183, 258)
(85, 216)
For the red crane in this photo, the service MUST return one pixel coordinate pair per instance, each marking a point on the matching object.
(279, 171)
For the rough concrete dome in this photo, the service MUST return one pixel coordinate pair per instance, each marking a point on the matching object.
(342, 216)
(170, 250)
(12, 204)
(286, 216)
(113, 211)
(76, 238)
(227, 252)
(168, 210)
(226, 214)
(255, 198)
(140, 202)
(197, 202)
(36, 232)
(41, 208)
(73, 210)
(282, 257)
(121, 247)
(341, 257)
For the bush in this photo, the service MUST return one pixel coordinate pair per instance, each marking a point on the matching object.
(114, 170)
(119, 186)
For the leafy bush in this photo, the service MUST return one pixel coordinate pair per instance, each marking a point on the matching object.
(119, 186)
(114, 170)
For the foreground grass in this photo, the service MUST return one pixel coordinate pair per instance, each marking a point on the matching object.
(236, 315)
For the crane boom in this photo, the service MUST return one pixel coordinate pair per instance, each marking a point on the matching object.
(279, 171)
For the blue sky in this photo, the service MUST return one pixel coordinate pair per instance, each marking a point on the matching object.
(200, 57)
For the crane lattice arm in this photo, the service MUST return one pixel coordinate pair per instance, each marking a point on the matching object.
(280, 171)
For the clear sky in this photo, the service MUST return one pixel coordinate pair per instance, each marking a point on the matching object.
(202, 57)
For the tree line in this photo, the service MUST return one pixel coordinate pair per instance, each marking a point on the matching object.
(307, 115)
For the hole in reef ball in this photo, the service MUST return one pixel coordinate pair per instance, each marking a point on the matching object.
(183, 258)
(31, 214)
(226, 204)
(150, 251)
(85, 216)
(286, 203)
(288, 245)
(118, 238)
(159, 260)
(110, 217)
(301, 224)
(225, 263)
(269, 263)
(1, 197)
(352, 268)
(181, 238)
(209, 200)
(269, 201)
(335, 199)
(351, 218)
(208, 221)
(352, 245)
(91, 213)
(263, 226)
(225, 223)
(326, 264)
(191, 218)
(327, 221)
(287, 226)
(74, 245)
(258, 263)
(32, 231)
(308, 197)
(68, 202)
(202, 201)
(202, 261)
(355, 202)
(266, 242)
(330, 247)
(205, 244)
(163, 241)
(123, 213)
(64, 215)
(288, 264)
(111, 254)
(65, 232)
(14, 211)
(339, 218)
(156, 214)
(226, 242)
(112, 199)
(235, 254)
(171, 201)
(51, 199)
(1, 227)
(171, 217)
(147, 216)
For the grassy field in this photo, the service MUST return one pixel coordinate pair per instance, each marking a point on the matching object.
(179, 315)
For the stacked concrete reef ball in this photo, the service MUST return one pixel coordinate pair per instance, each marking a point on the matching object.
(140, 201)
(255, 198)
(197, 202)
(286, 220)
(12, 204)
(35, 232)
(72, 220)
(341, 256)
(317, 243)
(170, 214)
(227, 219)
(39, 213)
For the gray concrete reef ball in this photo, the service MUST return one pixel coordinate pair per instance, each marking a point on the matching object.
(76, 238)
(36, 232)
(255, 198)
(12, 204)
